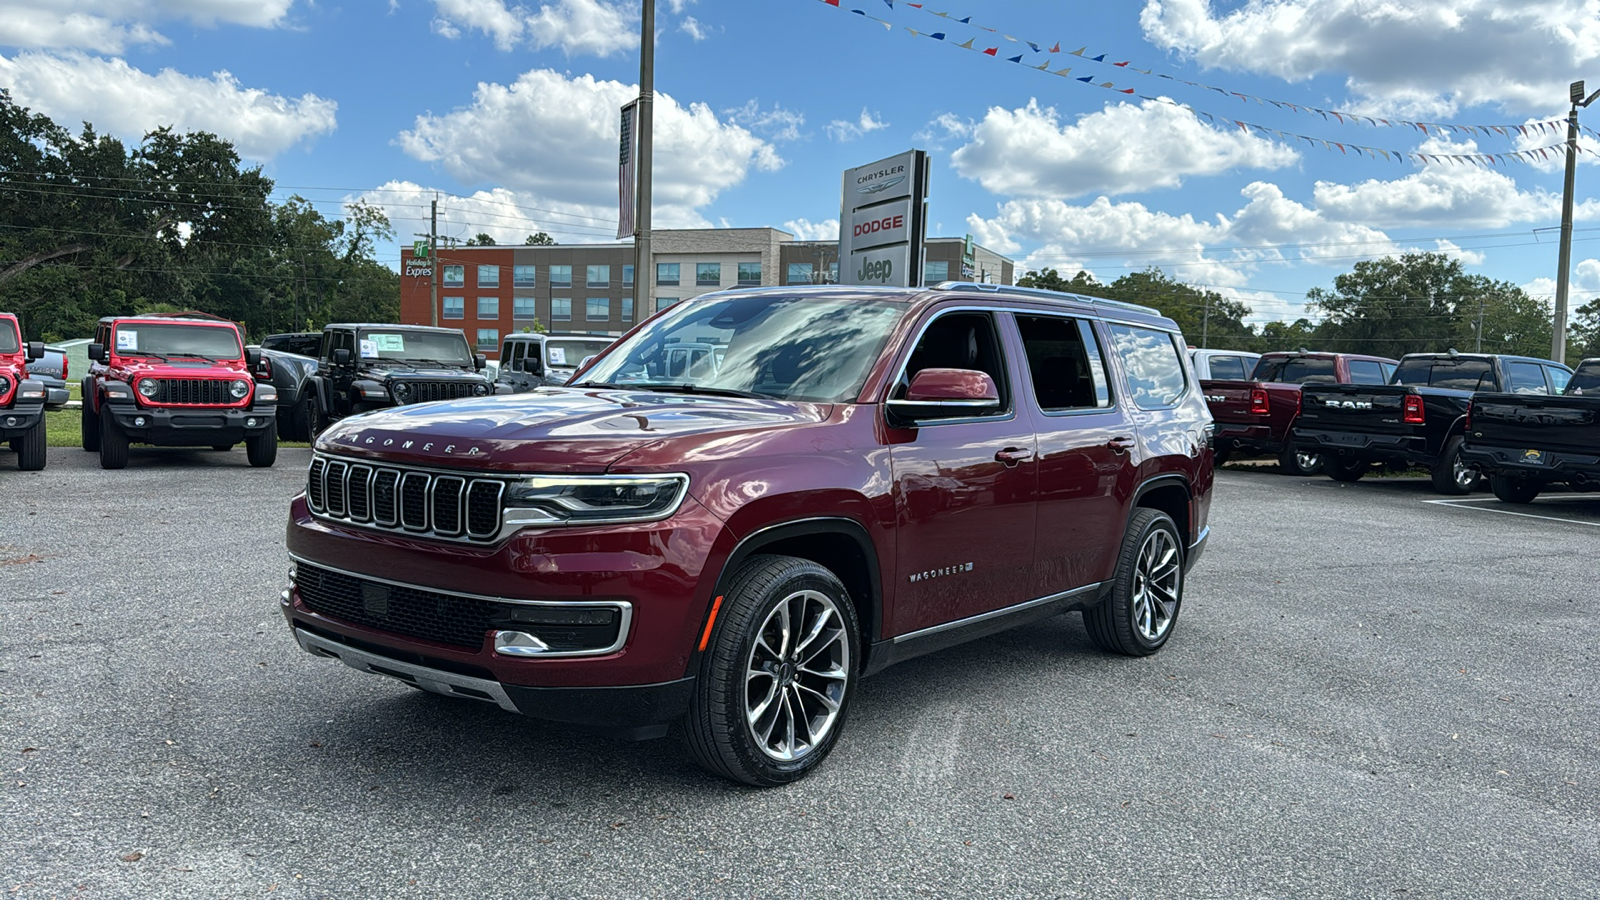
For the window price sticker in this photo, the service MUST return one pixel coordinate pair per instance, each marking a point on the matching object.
(127, 340)
(369, 349)
(558, 356)
(390, 343)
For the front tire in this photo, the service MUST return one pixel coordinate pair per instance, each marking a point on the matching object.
(311, 416)
(113, 443)
(1299, 462)
(1514, 490)
(1146, 591)
(1345, 469)
(262, 448)
(31, 449)
(776, 682)
(1452, 476)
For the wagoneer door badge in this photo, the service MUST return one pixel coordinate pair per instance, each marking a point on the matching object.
(940, 573)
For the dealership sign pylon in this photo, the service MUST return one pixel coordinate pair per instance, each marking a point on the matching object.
(883, 220)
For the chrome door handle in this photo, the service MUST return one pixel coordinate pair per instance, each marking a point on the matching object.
(1012, 455)
(1120, 444)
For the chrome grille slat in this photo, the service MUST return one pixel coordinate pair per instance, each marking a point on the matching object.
(423, 503)
(447, 491)
(414, 489)
(314, 485)
(358, 493)
(335, 490)
(385, 495)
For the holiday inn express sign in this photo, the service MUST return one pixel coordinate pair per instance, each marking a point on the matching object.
(882, 221)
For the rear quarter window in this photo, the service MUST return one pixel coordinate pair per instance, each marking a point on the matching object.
(1296, 370)
(1227, 368)
(1153, 363)
(1365, 371)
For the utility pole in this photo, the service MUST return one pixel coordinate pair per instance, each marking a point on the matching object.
(1479, 347)
(433, 262)
(1205, 323)
(1558, 334)
(644, 274)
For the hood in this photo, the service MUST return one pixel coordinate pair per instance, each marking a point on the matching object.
(185, 368)
(551, 429)
(419, 370)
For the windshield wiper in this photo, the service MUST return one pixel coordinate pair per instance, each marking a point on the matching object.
(702, 389)
(195, 356)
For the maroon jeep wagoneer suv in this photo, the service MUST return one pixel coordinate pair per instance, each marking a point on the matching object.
(848, 478)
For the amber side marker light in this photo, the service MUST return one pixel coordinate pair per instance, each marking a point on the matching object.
(710, 621)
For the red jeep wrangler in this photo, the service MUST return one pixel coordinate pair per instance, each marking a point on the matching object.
(21, 400)
(175, 381)
(854, 477)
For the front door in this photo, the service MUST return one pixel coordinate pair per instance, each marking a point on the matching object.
(964, 489)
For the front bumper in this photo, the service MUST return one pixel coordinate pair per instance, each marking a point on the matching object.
(1386, 448)
(19, 418)
(192, 426)
(1548, 466)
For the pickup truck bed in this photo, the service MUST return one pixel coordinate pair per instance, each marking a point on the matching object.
(1527, 442)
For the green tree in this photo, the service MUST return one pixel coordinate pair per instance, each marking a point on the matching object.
(481, 239)
(1051, 280)
(538, 239)
(1207, 318)
(1583, 333)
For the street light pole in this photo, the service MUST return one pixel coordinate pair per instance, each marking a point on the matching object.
(643, 273)
(1558, 334)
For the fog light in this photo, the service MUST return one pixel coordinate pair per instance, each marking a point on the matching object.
(249, 423)
(518, 643)
(284, 597)
(138, 422)
(11, 420)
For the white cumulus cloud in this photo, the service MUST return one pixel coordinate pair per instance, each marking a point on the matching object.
(126, 101)
(844, 130)
(1030, 152)
(578, 27)
(555, 138)
(807, 230)
(110, 26)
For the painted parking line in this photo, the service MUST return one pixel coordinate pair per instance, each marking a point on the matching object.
(1461, 504)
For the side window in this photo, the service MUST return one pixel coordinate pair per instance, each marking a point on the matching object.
(1153, 363)
(1388, 372)
(960, 341)
(1525, 378)
(1064, 363)
(1366, 371)
(1558, 378)
(1227, 368)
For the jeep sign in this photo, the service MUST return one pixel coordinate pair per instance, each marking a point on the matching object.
(883, 220)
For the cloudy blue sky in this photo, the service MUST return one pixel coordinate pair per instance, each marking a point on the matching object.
(507, 111)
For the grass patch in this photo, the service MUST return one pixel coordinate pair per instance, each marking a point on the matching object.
(61, 429)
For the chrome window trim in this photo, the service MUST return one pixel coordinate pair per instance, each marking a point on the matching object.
(623, 608)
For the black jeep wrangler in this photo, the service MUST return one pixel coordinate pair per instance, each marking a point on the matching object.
(367, 367)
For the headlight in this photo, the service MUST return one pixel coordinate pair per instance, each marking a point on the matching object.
(593, 499)
(239, 389)
(148, 387)
(402, 392)
(5, 384)
(480, 389)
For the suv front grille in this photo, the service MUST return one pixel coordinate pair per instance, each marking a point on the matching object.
(193, 392)
(428, 391)
(568, 629)
(412, 501)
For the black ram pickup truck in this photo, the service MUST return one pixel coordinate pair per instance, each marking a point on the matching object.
(1525, 442)
(1416, 420)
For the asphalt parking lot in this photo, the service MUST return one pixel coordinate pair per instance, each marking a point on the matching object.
(1369, 694)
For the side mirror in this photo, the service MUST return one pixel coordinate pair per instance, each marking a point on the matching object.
(943, 393)
(479, 361)
(35, 350)
(341, 356)
(97, 352)
(252, 358)
(530, 364)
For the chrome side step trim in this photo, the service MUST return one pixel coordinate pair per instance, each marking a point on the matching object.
(996, 613)
(432, 680)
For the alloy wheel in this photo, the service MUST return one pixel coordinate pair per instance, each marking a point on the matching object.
(1156, 584)
(796, 675)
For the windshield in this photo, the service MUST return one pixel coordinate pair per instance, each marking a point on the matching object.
(172, 340)
(1455, 374)
(8, 337)
(1584, 381)
(566, 353)
(416, 346)
(790, 348)
(1296, 370)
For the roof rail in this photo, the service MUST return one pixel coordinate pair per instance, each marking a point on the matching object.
(1042, 293)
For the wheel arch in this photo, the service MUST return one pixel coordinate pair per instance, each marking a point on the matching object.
(1170, 494)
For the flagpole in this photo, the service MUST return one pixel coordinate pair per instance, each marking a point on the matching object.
(643, 274)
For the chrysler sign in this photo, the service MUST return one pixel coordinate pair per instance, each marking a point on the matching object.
(882, 221)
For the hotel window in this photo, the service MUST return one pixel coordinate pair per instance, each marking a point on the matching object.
(488, 276)
(455, 276)
(627, 309)
(488, 338)
(560, 309)
(599, 276)
(666, 273)
(560, 276)
(597, 309)
(455, 307)
(488, 307)
(799, 273)
(937, 271)
(627, 276)
(523, 276)
(708, 273)
(749, 273)
(522, 308)
(664, 302)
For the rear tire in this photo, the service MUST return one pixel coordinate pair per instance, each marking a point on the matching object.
(1340, 468)
(90, 439)
(262, 448)
(1514, 490)
(775, 685)
(1299, 462)
(1450, 475)
(31, 449)
(1146, 591)
(113, 443)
